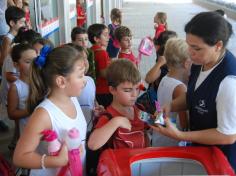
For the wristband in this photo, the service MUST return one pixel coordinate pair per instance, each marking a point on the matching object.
(42, 161)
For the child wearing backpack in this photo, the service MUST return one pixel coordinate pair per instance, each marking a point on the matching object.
(116, 18)
(124, 37)
(98, 35)
(124, 129)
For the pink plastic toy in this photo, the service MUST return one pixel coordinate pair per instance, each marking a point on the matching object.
(73, 142)
(54, 145)
(145, 48)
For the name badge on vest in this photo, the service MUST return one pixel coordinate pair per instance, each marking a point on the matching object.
(201, 108)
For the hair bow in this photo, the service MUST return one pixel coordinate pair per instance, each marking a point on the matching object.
(41, 59)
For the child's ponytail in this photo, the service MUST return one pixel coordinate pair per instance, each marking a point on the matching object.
(38, 89)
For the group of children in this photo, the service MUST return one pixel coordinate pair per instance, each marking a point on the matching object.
(55, 80)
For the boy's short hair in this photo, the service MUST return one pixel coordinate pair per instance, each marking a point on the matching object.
(77, 30)
(95, 30)
(176, 52)
(122, 70)
(26, 36)
(121, 32)
(14, 13)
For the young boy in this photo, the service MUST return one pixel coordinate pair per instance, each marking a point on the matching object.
(15, 18)
(124, 37)
(124, 129)
(173, 85)
(99, 36)
(79, 37)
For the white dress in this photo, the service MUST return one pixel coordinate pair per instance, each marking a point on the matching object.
(61, 123)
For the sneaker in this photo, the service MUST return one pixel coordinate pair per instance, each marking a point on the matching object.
(3, 127)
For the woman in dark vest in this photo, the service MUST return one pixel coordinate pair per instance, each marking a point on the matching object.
(211, 94)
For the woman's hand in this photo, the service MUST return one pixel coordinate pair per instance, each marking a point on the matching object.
(170, 130)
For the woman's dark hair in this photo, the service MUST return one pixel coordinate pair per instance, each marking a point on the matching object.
(211, 27)
(220, 11)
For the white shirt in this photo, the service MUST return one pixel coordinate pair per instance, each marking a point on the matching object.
(23, 92)
(87, 100)
(61, 123)
(225, 102)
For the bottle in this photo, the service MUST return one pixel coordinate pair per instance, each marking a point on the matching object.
(73, 141)
(54, 145)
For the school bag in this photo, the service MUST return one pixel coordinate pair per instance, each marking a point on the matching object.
(92, 157)
(113, 45)
(145, 48)
(6, 169)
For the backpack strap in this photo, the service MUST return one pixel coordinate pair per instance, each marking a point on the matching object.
(106, 114)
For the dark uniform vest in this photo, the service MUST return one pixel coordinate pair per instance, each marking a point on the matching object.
(202, 101)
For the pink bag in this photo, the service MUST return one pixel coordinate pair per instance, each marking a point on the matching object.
(145, 48)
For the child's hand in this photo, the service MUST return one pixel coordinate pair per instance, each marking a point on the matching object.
(98, 110)
(123, 122)
(166, 109)
(62, 157)
(161, 60)
(155, 25)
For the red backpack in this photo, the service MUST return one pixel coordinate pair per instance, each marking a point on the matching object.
(6, 169)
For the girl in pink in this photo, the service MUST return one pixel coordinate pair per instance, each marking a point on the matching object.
(160, 23)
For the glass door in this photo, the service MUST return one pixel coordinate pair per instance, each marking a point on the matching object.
(48, 20)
